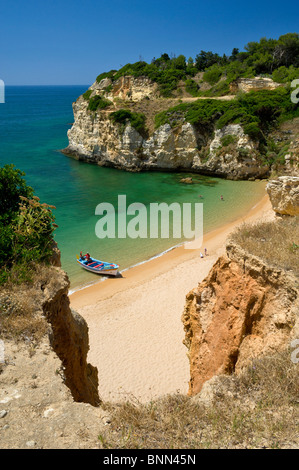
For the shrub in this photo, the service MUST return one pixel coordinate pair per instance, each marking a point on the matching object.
(87, 94)
(12, 186)
(220, 89)
(26, 227)
(106, 75)
(258, 112)
(228, 139)
(253, 131)
(137, 120)
(98, 102)
(191, 87)
(212, 75)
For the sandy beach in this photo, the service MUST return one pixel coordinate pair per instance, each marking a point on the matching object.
(134, 321)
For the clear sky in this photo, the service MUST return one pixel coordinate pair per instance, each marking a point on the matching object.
(48, 42)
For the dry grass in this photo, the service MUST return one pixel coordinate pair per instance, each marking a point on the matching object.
(20, 308)
(255, 410)
(276, 242)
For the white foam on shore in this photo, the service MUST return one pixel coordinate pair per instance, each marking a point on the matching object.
(79, 288)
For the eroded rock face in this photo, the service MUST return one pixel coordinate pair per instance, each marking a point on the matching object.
(243, 309)
(284, 195)
(132, 88)
(253, 84)
(95, 139)
(237, 160)
(69, 338)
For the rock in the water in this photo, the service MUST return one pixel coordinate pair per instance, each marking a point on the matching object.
(186, 180)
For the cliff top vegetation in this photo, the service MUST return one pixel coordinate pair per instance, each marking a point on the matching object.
(275, 58)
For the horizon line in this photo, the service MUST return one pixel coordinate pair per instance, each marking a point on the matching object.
(50, 84)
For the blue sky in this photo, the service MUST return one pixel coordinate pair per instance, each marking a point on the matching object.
(70, 42)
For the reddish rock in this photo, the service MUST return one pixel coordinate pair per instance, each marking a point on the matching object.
(241, 310)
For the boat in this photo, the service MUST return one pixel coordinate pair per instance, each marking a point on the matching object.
(99, 267)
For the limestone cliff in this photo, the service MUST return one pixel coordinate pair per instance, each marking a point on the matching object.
(243, 309)
(95, 138)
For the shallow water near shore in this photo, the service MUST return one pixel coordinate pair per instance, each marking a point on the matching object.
(34, 123)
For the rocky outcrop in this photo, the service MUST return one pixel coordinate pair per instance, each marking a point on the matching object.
(238, 159)
(48, 391)
(177, 145)
(40, 311)
(243, 309)
(69, 338)
(284, 195)
(39, 411)
(95, 139)
(253, 84)
(125, 88)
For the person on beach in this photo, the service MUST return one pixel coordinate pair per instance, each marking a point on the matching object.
(206, 252)
(201, 255)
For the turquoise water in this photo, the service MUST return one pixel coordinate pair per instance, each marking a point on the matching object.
(33, 128)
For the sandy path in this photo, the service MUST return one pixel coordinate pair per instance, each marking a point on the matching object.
(135, 326)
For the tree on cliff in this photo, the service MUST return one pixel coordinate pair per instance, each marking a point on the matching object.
(26, 227)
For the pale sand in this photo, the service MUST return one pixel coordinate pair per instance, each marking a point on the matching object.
(135, 327)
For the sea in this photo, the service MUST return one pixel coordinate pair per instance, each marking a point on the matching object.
(34, 121)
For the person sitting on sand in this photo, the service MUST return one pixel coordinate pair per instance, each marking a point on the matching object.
(201, 255)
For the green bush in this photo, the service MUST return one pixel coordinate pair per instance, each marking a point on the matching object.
(258, 112)
(253, 131)
(228, 139)
(12, 186)
(26, 227)
(106, 75)
(212, 75)
(98, 102)
(87, 94)
(285, 74)
(137, 120)
(191, 87)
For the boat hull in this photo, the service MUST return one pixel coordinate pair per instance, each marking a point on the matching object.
(105, 271)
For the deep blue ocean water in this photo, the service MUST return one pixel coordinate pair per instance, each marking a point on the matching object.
(33, 129)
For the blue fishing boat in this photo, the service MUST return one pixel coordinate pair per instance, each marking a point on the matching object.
(98, 267)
